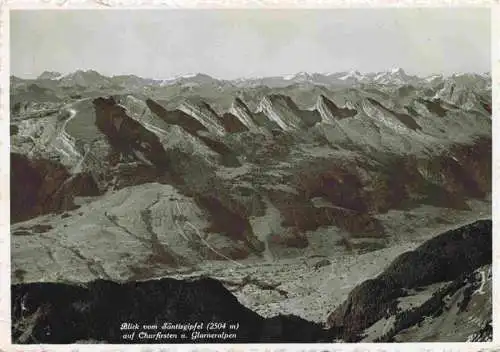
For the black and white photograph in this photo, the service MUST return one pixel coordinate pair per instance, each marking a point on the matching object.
(198, 176)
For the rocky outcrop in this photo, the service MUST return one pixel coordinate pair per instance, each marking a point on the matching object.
(127, 136)
(229, 221)
(176, 117)
(227, 156)
(460, 310)
(193, 127)
(330, 112)
(243, 113)
(475, 160)
(337, 184)
(300, 213)
(399, 122)
(447, 179)
(447, 257)
(41, 186)
(402, 118)
(442, 180)
(434, 106)
(204, 114)
(232, 124)
(281, 110)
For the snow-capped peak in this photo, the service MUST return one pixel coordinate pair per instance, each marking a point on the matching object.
(300, 76)
(192, 78)
(398, 70)
(52, 75)
(353, 74)
(395, 75)
(433, 78)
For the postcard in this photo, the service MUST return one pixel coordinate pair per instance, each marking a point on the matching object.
(250, 175)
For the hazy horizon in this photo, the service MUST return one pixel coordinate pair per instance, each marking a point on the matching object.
(231, 44)
(236, 78)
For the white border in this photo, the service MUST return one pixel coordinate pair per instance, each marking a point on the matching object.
(495, 74)
(4, 180)
(238, 4)
(6, 5)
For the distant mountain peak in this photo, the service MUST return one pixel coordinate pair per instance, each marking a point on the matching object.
(300, 76)
(85, 78)
(82, 73)
(87, 72)
(50, 75)
(196, 75)
(303, 74)
(398, 70)
(352, 75)
(196, 78)
(302, 79)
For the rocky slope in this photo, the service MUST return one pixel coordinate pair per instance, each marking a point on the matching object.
(386, 301)
(429, 294)
(44, 186)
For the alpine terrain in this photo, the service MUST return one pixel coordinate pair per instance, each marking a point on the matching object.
(306, 208)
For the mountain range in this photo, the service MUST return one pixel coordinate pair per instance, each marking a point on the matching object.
(294, 193)
(345, 78)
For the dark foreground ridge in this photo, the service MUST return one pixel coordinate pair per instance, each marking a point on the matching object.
(451, 257)
(95, 312)
(60, 313)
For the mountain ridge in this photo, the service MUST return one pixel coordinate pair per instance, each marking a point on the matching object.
(390, 76)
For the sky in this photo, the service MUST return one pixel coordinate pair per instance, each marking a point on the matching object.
(232, 44)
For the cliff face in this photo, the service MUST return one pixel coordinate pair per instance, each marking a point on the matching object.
(41, 186)
(330, 112)
(128, 136)
(243, 114)
(176, 117)
(232, 124)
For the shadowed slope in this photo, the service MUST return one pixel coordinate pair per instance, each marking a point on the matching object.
(42, 186)
(440, 259)
(128, 136)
